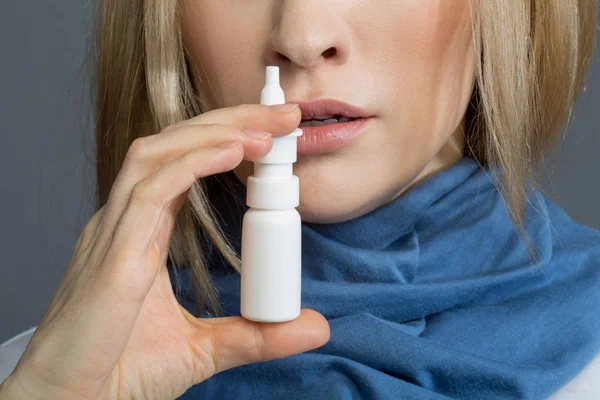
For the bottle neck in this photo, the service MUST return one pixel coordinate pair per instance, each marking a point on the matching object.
(273, 171)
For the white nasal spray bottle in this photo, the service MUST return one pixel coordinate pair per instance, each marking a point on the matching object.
(271, 228)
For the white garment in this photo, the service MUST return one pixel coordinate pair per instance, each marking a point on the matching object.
(585, 386)
(11, 351)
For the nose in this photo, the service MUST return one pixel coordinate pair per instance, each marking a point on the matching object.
(308, 33)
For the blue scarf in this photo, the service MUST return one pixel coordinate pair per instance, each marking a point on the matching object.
(431, 296)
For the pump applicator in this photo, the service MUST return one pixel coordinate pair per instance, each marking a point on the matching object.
(271, 228)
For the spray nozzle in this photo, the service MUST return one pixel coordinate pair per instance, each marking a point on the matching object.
(284, 148)
(272, 75)
(272, 92)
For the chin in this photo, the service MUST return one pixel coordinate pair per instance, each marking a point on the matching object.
(317, 214)
(330, 204)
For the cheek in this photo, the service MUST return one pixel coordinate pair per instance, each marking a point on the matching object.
(221, 48)
(451, 61)
(433, 69)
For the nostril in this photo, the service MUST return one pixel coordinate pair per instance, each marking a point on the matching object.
(283, 57)
(330, 52)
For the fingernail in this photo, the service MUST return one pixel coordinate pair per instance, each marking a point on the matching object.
(262, 135)
(284, 108)
(229, 143)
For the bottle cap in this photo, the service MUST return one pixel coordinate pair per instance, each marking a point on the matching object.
(285, 148)
(280, 189)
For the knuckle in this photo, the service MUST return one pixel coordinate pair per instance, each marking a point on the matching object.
(222, 132)
(189, 160)
(248, 110)
(91, 225)
(241, 107)
(137, 149)
(171, 127)
(259, 342)
(96, 218)
(212, 127)
(142, 195)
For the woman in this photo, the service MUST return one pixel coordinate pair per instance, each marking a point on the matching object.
(440, 271)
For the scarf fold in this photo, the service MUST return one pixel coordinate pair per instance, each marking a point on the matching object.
(431, 296)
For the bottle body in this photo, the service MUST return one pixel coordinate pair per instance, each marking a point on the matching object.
(271, 265)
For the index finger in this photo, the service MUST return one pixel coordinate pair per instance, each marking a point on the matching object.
(280, 119)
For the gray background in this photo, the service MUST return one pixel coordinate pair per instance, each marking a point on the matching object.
(46, 172)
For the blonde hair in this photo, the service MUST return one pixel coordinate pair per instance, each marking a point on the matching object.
(533, 55)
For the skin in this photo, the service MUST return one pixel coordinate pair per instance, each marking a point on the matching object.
(410, 63)
(114, 329)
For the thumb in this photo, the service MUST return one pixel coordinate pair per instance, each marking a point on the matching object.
(236, 341)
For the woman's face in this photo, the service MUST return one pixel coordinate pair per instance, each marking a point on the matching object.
(407, 63)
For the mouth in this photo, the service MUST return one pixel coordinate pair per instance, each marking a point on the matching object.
(324, 120)
(328, 124)
(329, 111)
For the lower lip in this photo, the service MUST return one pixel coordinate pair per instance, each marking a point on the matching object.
(330, 137)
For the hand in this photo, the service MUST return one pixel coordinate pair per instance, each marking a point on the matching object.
(114, 329)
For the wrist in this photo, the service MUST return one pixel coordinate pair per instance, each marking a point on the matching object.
(10, 390)
(22, 387)
(13, 389)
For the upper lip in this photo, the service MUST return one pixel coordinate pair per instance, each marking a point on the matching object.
(316, 108)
